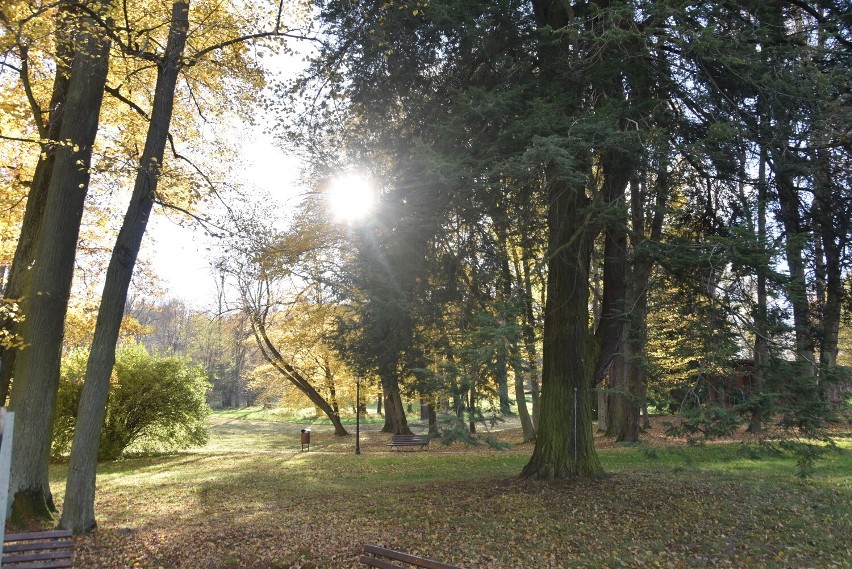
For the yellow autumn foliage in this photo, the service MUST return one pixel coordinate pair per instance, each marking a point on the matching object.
(218, 86)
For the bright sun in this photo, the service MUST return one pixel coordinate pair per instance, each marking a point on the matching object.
(351, 197)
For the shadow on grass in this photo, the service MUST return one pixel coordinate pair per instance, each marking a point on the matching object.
(236, 503)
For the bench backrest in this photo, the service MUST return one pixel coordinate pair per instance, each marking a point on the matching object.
(39, 550)
(376, 553)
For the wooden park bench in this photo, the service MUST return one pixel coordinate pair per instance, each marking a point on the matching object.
(398, 441)
(375, 556)
(39, 550)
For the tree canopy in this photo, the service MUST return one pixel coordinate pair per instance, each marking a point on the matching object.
(582, 210)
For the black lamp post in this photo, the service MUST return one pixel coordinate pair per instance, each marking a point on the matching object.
(358, 415)
(351, 198)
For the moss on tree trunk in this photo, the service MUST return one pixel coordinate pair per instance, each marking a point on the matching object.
(564, 442)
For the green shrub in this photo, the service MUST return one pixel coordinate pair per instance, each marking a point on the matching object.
(156, 404)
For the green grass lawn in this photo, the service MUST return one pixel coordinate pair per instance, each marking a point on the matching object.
(252, 499)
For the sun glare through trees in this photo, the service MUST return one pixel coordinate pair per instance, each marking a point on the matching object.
(351, 197)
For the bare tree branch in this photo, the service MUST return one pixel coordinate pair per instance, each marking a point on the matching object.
(18, 139)
(24, 73)
(114, 91)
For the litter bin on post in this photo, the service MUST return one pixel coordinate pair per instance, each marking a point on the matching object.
(306, 439)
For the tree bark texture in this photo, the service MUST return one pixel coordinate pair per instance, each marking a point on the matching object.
(573, 360)
(395, 420)
(33, 396)
(611, 332)
(78, 512)
(603, 418)
(471, 410)
(529, 338)
(617, 171)
(433, 420)
(17, 285)
(637, 328)
(616, 394)
(832, 228)
(761, 317)
(788, 199)
(521, 400)
(564, 442)
(388, 426)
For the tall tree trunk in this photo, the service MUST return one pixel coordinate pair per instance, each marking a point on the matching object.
(17, 284)
(33, 396)
(617, 171)
(616, 400)
(503, 383)
(506, 318)
(617, 166)
(388, 427)
(832, 226)
(564, 441)
(471, 410)
(635, 388)
(332, 391)
(611, 331)
(395, 420)
(634, 360)
(521, 398)
(78, 512)
(643, 265)
(788, 199)
(529, 335)
(786, 165)
(603, 417)
(761, 339)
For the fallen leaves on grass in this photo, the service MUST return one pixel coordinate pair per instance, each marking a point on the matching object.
(268, 509)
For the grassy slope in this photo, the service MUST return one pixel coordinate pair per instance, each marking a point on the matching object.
(251, 499)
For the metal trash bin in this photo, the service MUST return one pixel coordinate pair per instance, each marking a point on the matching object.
(306, 439)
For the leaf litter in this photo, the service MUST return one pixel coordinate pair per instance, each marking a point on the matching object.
(275, 507)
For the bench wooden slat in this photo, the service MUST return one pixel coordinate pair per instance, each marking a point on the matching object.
(406, 558)
(36, 545)
(38, 535)
(20, 558)
(62, 564)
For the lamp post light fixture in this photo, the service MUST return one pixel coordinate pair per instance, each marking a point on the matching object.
(358, 415)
